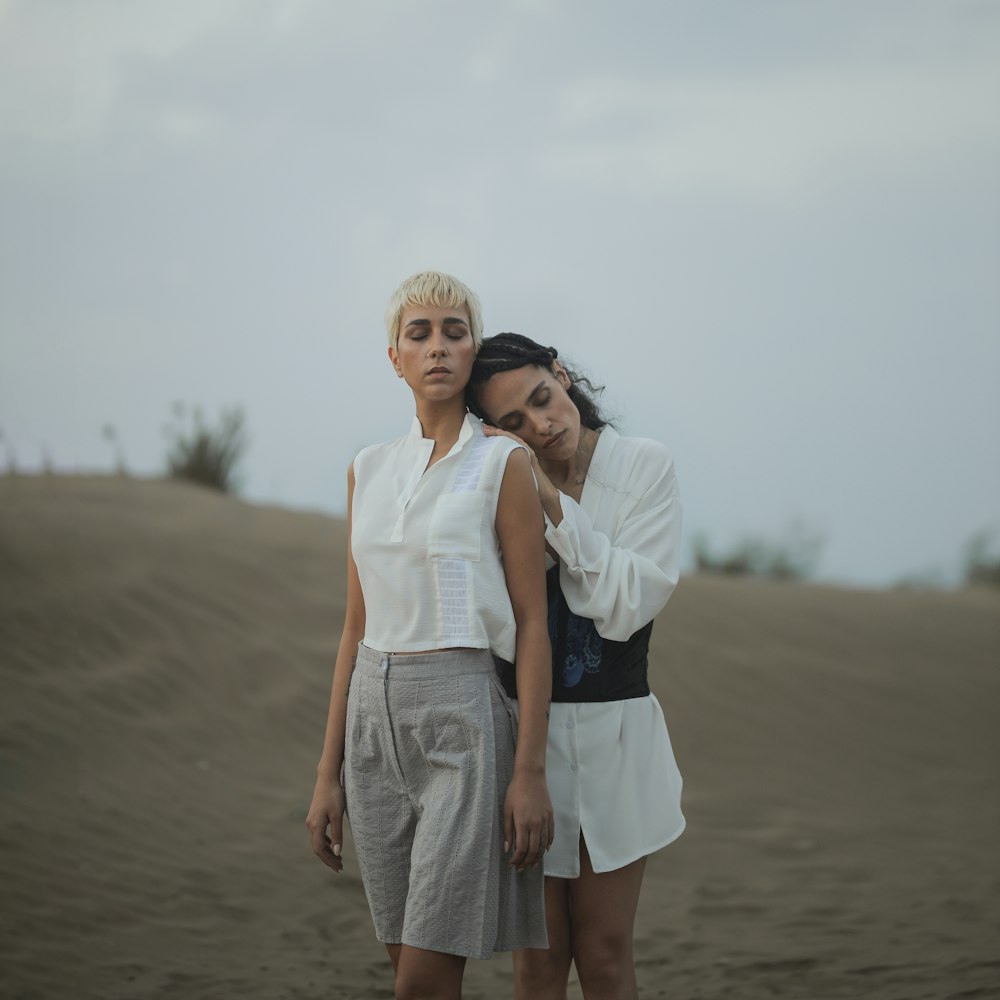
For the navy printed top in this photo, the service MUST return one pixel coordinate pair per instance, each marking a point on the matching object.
(586, 667)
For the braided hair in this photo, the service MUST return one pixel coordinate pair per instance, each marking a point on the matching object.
(508, 351)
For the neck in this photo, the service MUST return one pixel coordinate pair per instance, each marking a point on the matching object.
(573, 471)
(441, 421)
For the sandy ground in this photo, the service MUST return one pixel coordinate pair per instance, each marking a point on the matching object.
(165, 656)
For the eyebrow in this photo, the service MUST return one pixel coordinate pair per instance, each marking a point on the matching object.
(447, 321)
(534, 392)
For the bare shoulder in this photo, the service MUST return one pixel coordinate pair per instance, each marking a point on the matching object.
(518, 506)
(517, 471)
(503, 445)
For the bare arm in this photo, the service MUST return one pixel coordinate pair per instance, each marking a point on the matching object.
(528, 819)
(547, 493)
(327, 807)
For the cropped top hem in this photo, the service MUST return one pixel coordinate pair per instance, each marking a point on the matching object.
(420, 647)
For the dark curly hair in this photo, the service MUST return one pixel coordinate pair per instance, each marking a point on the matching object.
(508, 351)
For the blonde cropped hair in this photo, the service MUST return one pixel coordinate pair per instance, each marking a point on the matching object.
(432, 288)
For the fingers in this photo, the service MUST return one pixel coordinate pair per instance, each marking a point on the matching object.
(337, 835)
(546, 834)
(317, 834)
(535, 851)
(520, 854)
(528, 847)
(330, 859)
(508, 827)
(327, 850)
(491, 431)
(542, 846)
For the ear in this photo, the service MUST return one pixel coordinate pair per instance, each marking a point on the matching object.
(394, 361)
(560, 373)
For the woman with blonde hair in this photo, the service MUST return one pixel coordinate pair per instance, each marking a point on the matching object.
(443, 784)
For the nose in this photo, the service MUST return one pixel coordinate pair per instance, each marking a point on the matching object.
(541, 425)
(436, 346)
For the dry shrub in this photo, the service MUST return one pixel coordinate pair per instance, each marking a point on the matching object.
(793, 557)
(982, 566)
(204, 454)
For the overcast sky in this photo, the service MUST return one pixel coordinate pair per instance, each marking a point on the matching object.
(772, 229)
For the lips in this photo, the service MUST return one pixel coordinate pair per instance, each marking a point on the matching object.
(554, 440)
(439, 370)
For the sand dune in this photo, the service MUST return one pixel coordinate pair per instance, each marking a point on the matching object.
(165, 657)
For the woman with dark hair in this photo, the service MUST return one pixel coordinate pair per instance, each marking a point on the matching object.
(613, 523)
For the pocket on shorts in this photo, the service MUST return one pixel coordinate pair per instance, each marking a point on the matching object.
(453, 734)
(504, 699)
(351, 733)
(456, 526)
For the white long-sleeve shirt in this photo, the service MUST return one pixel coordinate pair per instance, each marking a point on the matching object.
(610, 765)
(619, 548)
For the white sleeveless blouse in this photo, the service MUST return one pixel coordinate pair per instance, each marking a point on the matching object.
(425, 543)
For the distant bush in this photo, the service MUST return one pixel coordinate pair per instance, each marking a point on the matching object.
(9, 454)
(794, 557)
(981, 565)
(926, 579)
(204, 454)
(110, 434)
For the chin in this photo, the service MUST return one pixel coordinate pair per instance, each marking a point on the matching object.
(440, 393)
(561, 454)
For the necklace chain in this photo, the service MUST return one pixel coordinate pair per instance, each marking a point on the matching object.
(583, 478)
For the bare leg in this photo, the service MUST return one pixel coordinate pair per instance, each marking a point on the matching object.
(428, 975)
(602, 915)
(541, 974)
(393, 950)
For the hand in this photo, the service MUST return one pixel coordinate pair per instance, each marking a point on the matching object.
(491, 431)
(327, 810)
(546, 491)
(528, 822)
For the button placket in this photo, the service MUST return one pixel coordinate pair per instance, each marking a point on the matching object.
(574, 764)
(425, 449)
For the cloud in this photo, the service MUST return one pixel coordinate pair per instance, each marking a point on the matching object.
(62, 65)
(769, 136)
(770, 228)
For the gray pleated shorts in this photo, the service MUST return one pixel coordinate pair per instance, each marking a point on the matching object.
(429, 756)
